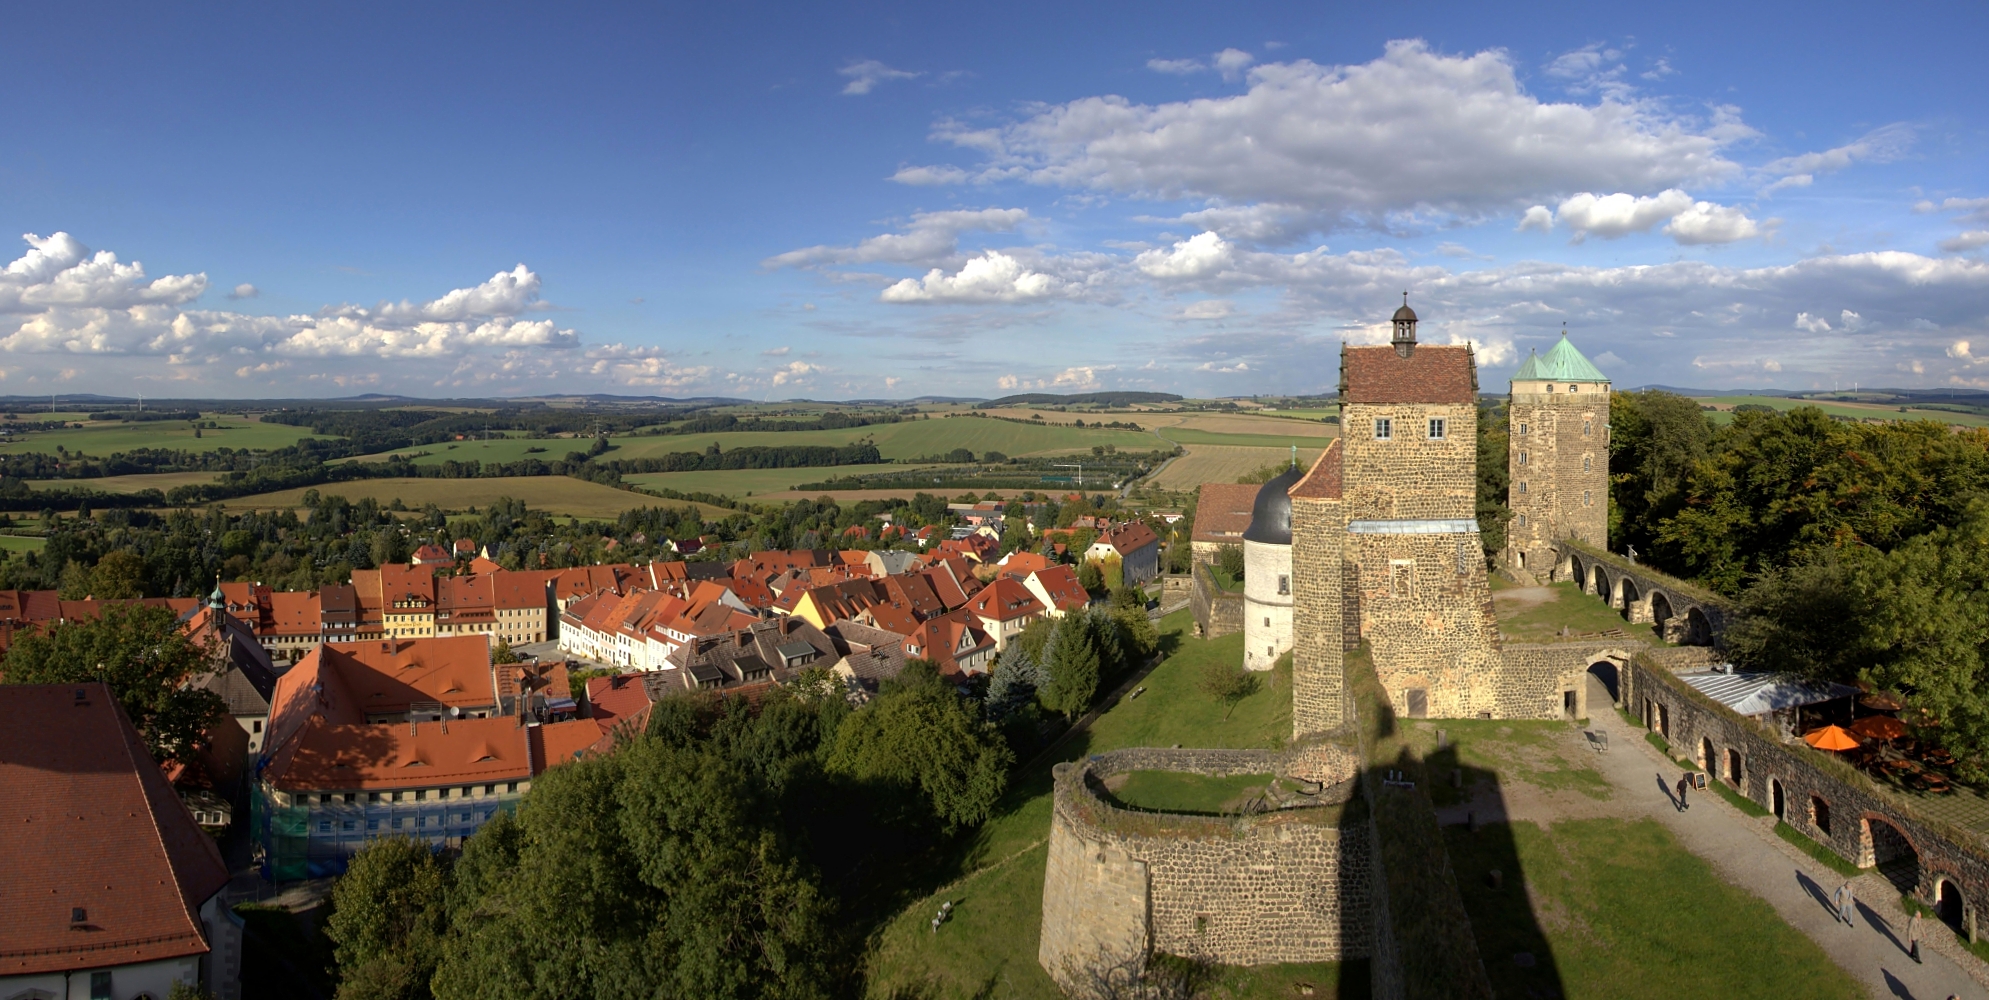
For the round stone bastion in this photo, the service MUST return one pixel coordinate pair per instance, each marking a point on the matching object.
(1287, 878)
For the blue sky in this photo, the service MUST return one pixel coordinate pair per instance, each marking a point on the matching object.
(893, 200)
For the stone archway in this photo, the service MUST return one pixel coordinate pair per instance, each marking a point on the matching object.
(1893, 853)
(1578, 571)
(1626, 602)
(1951, 905)
(1709, 759)
(1599, 586)
(1698, 631)
(1661, 613)
(1610, 677)
(1777, 798)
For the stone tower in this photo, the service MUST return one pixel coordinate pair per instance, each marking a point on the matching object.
(1267, 584)
(1559, 454)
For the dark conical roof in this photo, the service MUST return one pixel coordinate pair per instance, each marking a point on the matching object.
(1405, 313)
(1270, 516)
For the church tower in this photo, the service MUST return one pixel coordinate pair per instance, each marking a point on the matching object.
(1559, 455)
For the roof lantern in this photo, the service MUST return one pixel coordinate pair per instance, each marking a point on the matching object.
(1405, 328)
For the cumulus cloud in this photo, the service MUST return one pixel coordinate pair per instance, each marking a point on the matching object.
(245, 291)
(1813, 324)
(776, 352)
(1412, 131)
(795, 371)
(61, 298)
(1211, 366)
(1538, 219)
(1199, 256)
(1175, 67)
(1232, 62)
(1706, 222)
(1969, 240)
(1082, 378)
(931, 238)
(1959, 349)
(639, 366)
(1613, 216)
(991, 277)
(864, 76)
(930, 176)
(1208, 309)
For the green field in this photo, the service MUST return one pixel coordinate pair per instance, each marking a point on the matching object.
(22, 543)
(910, 439)
(1541, 615)
(161, 481)
(1856, 411)
(1305, 442)
(988, 949)
(108, 437)
(552, 494)
(740, 482)
(1614, 908)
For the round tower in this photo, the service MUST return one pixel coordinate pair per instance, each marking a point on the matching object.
(1559, 456)
(1267, 588)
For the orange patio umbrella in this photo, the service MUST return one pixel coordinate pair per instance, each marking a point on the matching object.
(1831, 738)
(1879, 727)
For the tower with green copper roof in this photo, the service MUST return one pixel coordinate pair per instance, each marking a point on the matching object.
(1559, 456)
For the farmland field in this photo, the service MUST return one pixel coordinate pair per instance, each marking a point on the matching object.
(22, 543)
(553, 494)
(1856, 411)
(1222, 464)
(910, 439)
(161, 481)
(1191, 436)
(101, 439)
(739, 482)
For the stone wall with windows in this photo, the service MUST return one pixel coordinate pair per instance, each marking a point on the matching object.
(1558, 457)
(1409, 474)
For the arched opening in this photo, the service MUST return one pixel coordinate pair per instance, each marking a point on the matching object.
(1734, 772)
(1660, 614)
(1578, 573)
(1949, 904)
(1819, 814)
(1697, 631)
(1604, 674)
(1599, 585)
(1708, 760)
(1630, 596)
(1776, 800)
(1893, 854)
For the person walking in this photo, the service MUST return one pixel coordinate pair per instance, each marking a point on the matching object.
(1913, 937)
(1684, 782)
(1847, 904)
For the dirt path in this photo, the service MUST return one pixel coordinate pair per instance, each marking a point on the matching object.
(1747, 853)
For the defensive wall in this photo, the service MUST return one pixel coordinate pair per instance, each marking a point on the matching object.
(1822, 797)
(1285, 885)
(1683, 613)
(1218, 612)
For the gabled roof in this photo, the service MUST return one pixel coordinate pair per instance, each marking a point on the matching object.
(325, 755)
(1061, 585)
(1432, 373)
(1761, 693)
(1004, 600)
(1223, 512)
(1561, 363)
(92, 825)
(1323, 481)
(1131, 537)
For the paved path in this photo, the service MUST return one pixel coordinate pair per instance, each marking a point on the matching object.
(1747, 853)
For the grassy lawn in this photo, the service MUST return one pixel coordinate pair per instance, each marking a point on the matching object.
(553, 494)
(1174, 791)
(987, 950)
(102, 439)
(1524, 618)
(1534, 752)
(22, 543)
(1608, 908)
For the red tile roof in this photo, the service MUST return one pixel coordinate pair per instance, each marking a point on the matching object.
(1061, 584)
(1430, 374)
(92, 825)
(558, 743)
(1004, 600)
(1222, 513)
(326, 755)
(1130, 538)
(1323, 481)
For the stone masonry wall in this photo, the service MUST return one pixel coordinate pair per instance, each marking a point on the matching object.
(1290, 886)
(1409, 476)
(1319, 533)
(1426, 612)
(1559, 459)
(1851, 803)
(1535, 680)
(1217, 612)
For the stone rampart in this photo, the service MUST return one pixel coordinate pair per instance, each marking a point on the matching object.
(1290, 885)
(1218, 612)
(1683, 613)
(1822, 797)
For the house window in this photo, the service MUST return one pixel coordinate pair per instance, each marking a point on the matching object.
(1267, 622)
(1438, 427)
(324, 826)
(100, 986)
(1586, 502)
(1284, 584)
(1522, 428)
(1522, 520)
(511, 786)
(1574, 388)
(1586, 427)
(1819, 814)
(1522, 486)
(1550, 387)
(1384, 429)
(1585, 463)
(258, 726)
(1522, 458)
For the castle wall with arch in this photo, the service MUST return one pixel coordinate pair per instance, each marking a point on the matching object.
(1823, 798)
(1683, 614)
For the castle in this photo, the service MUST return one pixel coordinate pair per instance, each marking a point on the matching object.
(1384, 539)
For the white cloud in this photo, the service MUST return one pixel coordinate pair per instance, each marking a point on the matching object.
(1813, 324)
(930, 176)
(1078, 379)
(1008, 382)
(1880, 145)
(1461, 252)
(1850, 320)
(991, 277)
(1232, 62)
(1615, 215)
(1539, 218)
(1659, 70)
(1959, 349)
(932, 238)
(1208, 309)
(637, 366)
(1706, 222)
(1412, 131)
(796, 371)
(1966, 241)
(245, 291)
(1578, 63)
(1199, 256)
(776, 352)
(865, 75)
(1211, 366)
(1175, 67)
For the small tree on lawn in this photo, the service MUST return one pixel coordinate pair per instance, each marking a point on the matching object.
(1227, 683)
